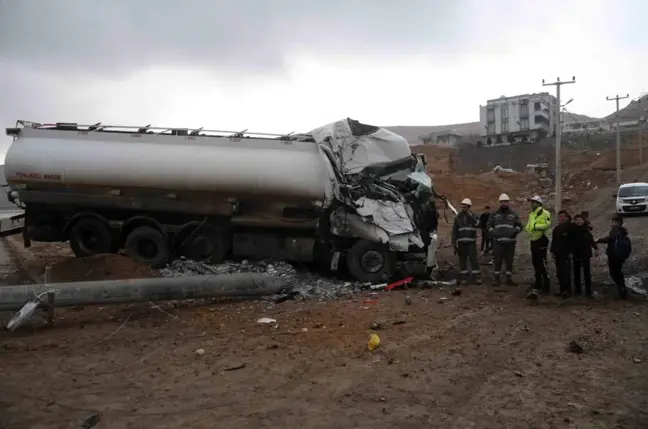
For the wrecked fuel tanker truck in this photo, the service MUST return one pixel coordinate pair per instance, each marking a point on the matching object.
(343, 195)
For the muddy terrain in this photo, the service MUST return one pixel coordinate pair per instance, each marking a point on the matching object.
(483, 357)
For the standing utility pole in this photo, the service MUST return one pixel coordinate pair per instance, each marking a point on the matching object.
(618, 136)
(558, 127)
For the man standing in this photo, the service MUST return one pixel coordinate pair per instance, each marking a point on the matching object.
(486, 242)
(562, 242)
(619, 249)
(464, 241)
(503, 226)
(537, 227)
(430, 223)
(585, 215)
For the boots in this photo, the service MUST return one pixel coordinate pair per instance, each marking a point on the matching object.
(509, 281)
(496, 280)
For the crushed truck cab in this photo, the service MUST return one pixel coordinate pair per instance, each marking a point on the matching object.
(346, 194)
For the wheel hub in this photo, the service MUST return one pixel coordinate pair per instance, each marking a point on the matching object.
(89, 240)
(372, 261)
(147, 248)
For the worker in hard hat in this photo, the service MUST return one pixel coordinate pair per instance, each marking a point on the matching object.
(537, 226)
(504, 225)
(464, 241)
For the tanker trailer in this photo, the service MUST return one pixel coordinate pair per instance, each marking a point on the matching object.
(345, 192)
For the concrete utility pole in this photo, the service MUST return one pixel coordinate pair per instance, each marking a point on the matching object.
(642, 121)
(618, 136)
(558, 125)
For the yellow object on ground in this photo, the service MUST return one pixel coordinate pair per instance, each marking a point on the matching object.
(374, 342)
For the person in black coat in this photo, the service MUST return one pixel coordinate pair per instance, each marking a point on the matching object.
(486, 242)
(585, 215)
(561, 250)
(618, 250)
(583, 248)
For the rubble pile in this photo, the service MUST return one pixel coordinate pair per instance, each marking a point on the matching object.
(307, 284)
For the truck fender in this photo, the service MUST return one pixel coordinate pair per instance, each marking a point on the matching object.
(78, 216)
(136, 221)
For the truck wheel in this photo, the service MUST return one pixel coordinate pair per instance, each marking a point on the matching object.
(148, 246)
(90, 236)
(371, 262)
(207, 243)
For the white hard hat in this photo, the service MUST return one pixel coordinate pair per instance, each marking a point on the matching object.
(467, 202)
(504, 197)
(535, 198)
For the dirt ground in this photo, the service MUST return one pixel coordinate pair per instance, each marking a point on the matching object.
(485, 358)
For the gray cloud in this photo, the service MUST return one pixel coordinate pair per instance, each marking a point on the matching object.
(108, 37)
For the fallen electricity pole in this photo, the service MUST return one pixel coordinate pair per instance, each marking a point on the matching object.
(13, 298)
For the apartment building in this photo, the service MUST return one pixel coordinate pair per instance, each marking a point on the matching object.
(517, 119)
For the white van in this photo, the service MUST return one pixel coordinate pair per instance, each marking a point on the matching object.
(632, 198)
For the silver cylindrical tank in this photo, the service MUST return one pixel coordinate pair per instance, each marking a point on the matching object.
(266, 167)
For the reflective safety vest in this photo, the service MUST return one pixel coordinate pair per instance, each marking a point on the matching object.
(538, 224)
(464, 229)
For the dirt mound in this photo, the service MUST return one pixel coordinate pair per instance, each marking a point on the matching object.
(485, 188)
(99, 267)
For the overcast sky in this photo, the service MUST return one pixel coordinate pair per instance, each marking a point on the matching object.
(292, 65)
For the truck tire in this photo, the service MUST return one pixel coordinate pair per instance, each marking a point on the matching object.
(371, 262)
(147, 245)
(90, 236)
(205, 243)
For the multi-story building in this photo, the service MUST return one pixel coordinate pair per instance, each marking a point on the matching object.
(517, 119)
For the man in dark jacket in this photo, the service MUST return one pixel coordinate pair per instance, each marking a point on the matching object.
(486, 242)
(582, 245)
(585, 215)
(504, 225)
(561, 250)
(464, 241)
(429, 224)
(618, 250)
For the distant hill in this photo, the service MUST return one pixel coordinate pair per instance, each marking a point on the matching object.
(571, 118)
(633, 111)
(413, 133)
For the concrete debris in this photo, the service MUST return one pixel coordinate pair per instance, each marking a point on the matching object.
(574, 347)
(308, 285)
(500, 169)
(303, 284)
(638, 284)
(234, 367)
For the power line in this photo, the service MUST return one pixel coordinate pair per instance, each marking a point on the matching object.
(557, 122)
(618, 136)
